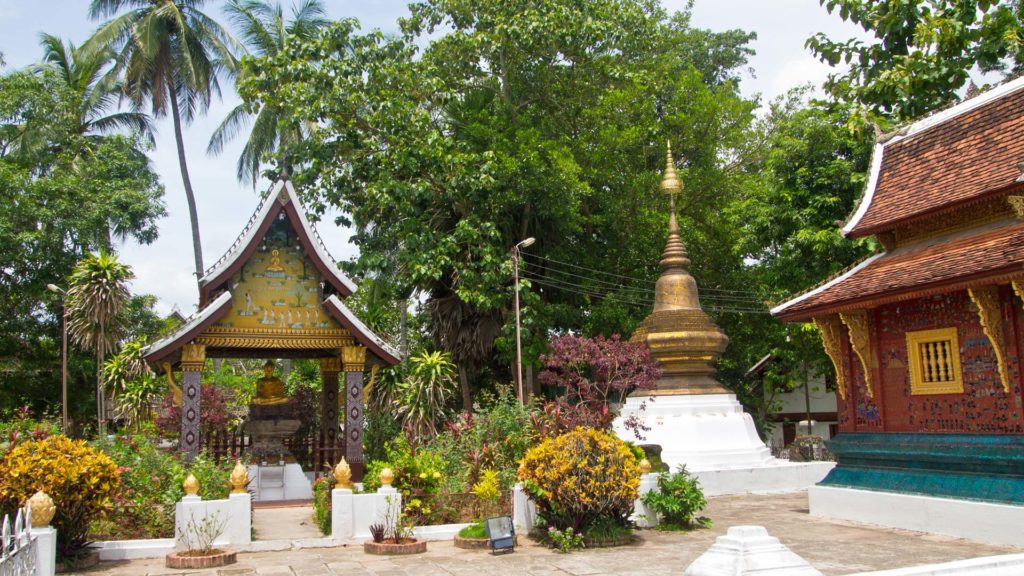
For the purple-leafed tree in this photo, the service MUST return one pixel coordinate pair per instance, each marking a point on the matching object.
(593, 376)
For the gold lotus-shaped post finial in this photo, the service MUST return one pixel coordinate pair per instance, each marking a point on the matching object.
(645, 466)
(343, 475)
(239, 478)
(386, 477)
(42, 509)
(191, 485)
(670, 183)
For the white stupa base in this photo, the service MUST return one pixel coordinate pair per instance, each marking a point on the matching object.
(717, 441)
(276, 483)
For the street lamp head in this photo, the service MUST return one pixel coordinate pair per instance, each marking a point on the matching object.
(54, 288)
(526, 243)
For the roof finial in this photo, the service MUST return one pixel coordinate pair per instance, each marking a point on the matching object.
(670, 183)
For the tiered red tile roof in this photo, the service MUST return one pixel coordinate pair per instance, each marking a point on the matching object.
(962, 154)
(986, 255)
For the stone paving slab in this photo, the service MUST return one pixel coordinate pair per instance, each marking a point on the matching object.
(834, 547)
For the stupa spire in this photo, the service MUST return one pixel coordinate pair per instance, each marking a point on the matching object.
(680, 336)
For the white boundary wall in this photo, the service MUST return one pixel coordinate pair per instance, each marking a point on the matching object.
(235, 514)
(981, 521)
(352, 514)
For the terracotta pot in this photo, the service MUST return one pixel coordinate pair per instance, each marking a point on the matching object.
(408, 546)
(194, 560)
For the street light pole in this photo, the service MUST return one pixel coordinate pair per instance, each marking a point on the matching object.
(63, 356)
(520, 392)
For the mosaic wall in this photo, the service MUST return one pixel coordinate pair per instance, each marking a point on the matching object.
(983, 407)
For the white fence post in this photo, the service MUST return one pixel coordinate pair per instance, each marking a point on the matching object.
(240, 519)
(643, 516)
(524, 511)
(342, 524)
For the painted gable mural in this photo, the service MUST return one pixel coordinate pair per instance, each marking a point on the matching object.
(278, 290)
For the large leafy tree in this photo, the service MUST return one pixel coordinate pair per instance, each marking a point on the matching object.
(921, 53)
(97, 297)
(262, 26)
(544, 119)
(170, 55)
(62, 199)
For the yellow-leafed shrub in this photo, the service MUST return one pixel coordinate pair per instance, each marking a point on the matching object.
(80, 479)
(580, 477)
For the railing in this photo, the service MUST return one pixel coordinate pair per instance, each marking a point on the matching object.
(314, 452)
(18, 546)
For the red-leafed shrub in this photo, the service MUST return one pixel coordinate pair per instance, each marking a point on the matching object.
(213, 413)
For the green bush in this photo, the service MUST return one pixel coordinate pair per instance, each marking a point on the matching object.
(418, 476)
(677, 501)
(151, 486)
(474, 530)
(322, 503)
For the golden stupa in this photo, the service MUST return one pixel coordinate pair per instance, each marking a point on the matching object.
(681, 337)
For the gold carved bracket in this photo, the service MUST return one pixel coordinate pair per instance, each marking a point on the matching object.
(353, 358)
(1018, 287)
(1017, 205)
(330, 364)
(859, 326)
(832, 338)
(193, 356)
(986, 298)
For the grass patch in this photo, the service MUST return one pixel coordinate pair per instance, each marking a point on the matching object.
(474, 530)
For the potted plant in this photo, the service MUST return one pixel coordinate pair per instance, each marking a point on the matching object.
(198, 536)
(393, 536)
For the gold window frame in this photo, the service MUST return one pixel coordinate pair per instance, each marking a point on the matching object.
(916, 363)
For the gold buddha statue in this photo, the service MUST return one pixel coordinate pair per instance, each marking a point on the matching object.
(269, 389)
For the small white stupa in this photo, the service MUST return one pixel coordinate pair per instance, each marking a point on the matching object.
(696, 420)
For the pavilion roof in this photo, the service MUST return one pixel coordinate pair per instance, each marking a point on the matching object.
(944, 162)
(988, 254)
(281, 199)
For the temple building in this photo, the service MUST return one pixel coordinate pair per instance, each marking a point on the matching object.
(275, 294)
(926, 336)
(695, 420)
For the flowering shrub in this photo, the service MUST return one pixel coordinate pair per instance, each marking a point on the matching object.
(592, 374)
(565, 540)
(487, 493)
(580, 478)
(213, 413)
(81, 480)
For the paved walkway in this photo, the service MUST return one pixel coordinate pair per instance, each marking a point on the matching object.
(833, 547)
(288, 523)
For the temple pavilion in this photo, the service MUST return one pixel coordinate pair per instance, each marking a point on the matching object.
(927, 336)
(277, 293)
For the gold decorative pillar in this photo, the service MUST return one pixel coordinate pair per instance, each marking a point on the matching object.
(986, 298)
(193, 357)
(859, 325)
(832, 338)
(353, 359)
(329, 369)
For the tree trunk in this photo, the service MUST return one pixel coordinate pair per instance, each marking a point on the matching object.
(101, 420)
(403, 327)
(193, 214)
(467, 400)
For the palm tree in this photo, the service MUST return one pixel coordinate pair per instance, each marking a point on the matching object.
(264, 29)
(95, 93)
(96, 300)
(170, 54)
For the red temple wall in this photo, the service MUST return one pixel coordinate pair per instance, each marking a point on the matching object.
(984, 407)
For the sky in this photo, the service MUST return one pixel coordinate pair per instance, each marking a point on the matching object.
(165, 268)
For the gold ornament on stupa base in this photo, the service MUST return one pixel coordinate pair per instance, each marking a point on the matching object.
(680, 336)
(239, 478)
(343, 475)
